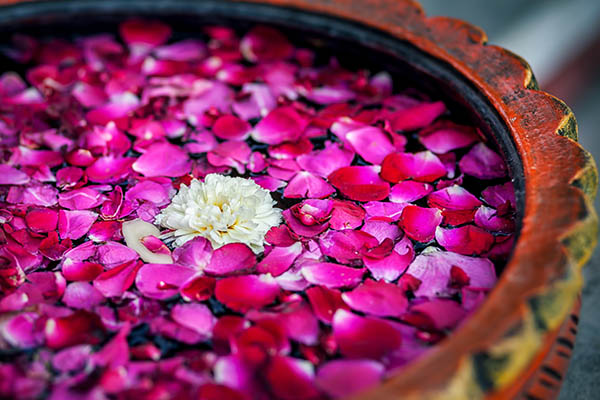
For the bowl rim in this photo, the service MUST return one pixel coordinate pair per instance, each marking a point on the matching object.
(498, 347)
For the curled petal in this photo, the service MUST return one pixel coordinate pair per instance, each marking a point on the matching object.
(304, 184)
(195, 253)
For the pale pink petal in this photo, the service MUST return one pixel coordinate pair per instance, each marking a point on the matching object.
(483, 163)
(324, 162)
(195, 253)
(81, 199)
(269, 183)
(19, 331)
(112, 254)
(438, 314)
(381, 230)
(34, 194)
(75, 224)
(185, 50)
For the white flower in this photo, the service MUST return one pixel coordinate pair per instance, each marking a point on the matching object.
(223, 210)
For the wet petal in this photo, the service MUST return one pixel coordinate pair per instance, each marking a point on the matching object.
(230, 127)
(457, 204)
(465, 240)
(325, 302)
(346, 215)
(195, 253)
(439, 314)
(420, 223)
(483, 163)
(324, 162)
(345, 246)
(390, 267)
(112, 254)
(304, 184)
(360, 183)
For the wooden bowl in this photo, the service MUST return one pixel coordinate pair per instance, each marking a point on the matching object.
(518, 343)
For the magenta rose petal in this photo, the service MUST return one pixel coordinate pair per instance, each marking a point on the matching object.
(75, 224)
(343, 378)
(457, 204)
(488, 219)
(42, 219)
(360, 183)
(371, 143)
(304, 184)
(422, 167)
(409, 191)
(283, 124)
(433, 270)
(80, 270)
(185, 50)
(301, 229)
(279, 259)
(144, 35)
(446, 136)
(78, 328)
(19, 331)
(498, 195)
(230, 127)
(81, 199)
(420, 223)
(35, 194)
(290, 378)
(331, 275)
(242, 293)
(354, 335)
(198, 288)
(112, 254)
(114, 282)
(109, 169)
(269, 183)
(161, 281)
(12, 176)
(416, 117)
(346, 215)
(163, 159)
(377, 298)
(324, 162)
(148, 190)
(82, 295)
(381, 230)
(231, 259)
(384, 211)
(195, 253)
(263, 43)
(467, 240)
(390, 267)
(325, 302)
(345, 246)
(195, 316)
(256, 101)
(483, 163)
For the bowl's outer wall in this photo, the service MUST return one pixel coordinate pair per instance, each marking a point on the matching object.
(509, 347)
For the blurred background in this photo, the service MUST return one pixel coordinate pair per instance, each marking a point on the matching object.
(561, 42)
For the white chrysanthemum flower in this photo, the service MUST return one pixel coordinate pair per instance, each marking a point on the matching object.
(223, 210)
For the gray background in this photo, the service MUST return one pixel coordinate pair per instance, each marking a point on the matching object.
(551, 34)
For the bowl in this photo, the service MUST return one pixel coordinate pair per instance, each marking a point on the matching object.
(518, 343)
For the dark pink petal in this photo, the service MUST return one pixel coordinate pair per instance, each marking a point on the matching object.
(109, 169)
(263, 43)
(301, 229)
(231, 259)
(390, 267)
(420, 223)
(78, 328)
(41, 219)
(422, 167)
(198, 288)
(72, 359)
(299, 322)
(112, 254)
(103, 231)
(80, 270)
(332, 275)
(409, 191)
(12, 176)
(360, 183)
(346, 215)
(312, 211)
(488, 219)
(212, 95)
(257, 162)
(325, 302)
(329, 95)
(163, 159)
(290, 378)
(283, 169)
(81, 199)
(356, 335)
(230, 127)
(446, 136)
(144, 33)
(324, 162)
(371, 143)
(283, 124)
(498, 195)
(68, 177)
(234, 154)
(416, 117)
(148, 190)
(75, 224)
(304, 184)
(52, 248)
(345, 246)
(242, 293)
(433, 270)
(89, 96)
(161, 281)
(80, 158)
(167, 328)
(456, 203)
(114, 282)
(195, 316)
(465, 240)
(381, 230)
(28, 157)
(115, 353)
(269, 183)
(343, 378)
(279, 259)
(195, 253)
(438, 314)
(483, 163)
(34, 194)
(19, 331)
(377, 298)
(291, 150)
(82, 295)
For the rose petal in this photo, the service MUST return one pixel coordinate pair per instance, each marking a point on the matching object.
(422, 167)
(231, 259)
(279, 259)
(163, 159)
(483, 163)
(332, 275)
(343, 378)
(114, 282)
(161, 281)
(377, 298)
(446, 136)
(465, 240)
(420, 223)
(283, 124)
(241, 293)
(409, 191)
(75, 224)
(360, 183)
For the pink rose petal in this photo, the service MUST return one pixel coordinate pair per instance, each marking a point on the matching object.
(331, 275)
(231, 259)
(242, 293)
(446, 136)
(283, 124)
(377, 298)
(416, 117)
(279, 259)
(75, 224)
(465, 240)
(422, 167)
(114, 282)
(483, 163)
(163, 159)
(12, 176)
(371, 143)
(343, 378)
(360, 183)
(420, 223)
(161, 281)
(409, 191)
